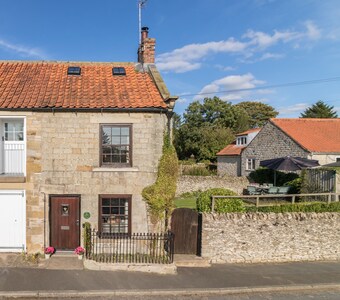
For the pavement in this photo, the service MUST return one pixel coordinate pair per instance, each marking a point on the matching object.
(38, 281)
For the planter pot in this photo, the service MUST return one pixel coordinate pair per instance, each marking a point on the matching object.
(47, 256)
(80, 256)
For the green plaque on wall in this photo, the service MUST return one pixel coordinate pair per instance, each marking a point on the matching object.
(87, 215)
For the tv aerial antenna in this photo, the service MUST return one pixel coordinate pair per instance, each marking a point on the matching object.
(141, 4)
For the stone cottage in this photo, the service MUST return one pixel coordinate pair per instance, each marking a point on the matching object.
(317, 139)
(80, 141)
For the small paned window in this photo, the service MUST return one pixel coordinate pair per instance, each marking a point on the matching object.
(241, 140)
(118, 71)
(14, 131)
(250, 164)
(115, 214)
(73, 71)
(116, 145)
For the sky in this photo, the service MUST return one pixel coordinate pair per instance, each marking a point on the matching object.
(285, 53)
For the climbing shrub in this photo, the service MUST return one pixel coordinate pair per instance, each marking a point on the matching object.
(160, 195)
(87, 237)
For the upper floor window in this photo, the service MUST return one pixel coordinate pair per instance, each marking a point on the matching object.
(14, 130)
(250, 164)
(241, 140)
(116, 145)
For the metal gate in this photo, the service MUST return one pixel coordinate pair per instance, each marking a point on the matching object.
(186, 226)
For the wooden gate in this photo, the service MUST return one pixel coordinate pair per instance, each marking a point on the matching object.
(185, 224)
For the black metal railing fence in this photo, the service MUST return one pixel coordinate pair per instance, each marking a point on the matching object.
(136, 248)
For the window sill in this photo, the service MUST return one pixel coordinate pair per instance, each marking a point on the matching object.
(12, 179)
(106, 169)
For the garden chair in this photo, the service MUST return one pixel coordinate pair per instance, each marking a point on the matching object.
(252, 190)
(273, 190)
(283, 189)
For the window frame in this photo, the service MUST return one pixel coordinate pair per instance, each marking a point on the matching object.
(115, 165)
(253, 164)
(128, 197)
(241, 140)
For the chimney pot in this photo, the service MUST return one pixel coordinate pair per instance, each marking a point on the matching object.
(144, 33)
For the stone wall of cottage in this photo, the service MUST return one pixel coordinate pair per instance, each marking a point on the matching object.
(228, 165)
(260, 237)
(35, 206)
(270, 142)
(187, 183)
(63, 159)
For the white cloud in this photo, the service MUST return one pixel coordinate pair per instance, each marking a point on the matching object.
(224, 68)
(190, 57)
(263, 40)
(293, 109)
(23, 50)
(313, 32)
(185, 59)
(269, 55)
(237, 85)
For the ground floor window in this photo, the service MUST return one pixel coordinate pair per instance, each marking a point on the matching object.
(115, 213)
(250, 164)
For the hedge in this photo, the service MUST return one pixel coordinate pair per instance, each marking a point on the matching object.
(223, 205)
(316, 207)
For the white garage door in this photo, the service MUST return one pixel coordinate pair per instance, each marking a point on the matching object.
(12, 221)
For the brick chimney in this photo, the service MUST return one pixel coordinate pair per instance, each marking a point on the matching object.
(146, 50)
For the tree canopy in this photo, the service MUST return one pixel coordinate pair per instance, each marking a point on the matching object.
(319, 110)
(258, 112)
(208, 126)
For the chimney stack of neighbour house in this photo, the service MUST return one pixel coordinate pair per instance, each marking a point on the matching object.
(146, 50)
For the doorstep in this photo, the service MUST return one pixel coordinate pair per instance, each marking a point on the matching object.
(191, 260)
(62, 261)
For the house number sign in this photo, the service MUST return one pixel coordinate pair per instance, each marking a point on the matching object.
(87, 215)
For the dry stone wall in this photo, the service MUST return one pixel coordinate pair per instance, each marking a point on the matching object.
(187, 183)
(269, 237)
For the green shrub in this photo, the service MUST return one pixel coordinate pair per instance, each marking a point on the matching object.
(196, 171)
(316, 207)
(160, 195)
(295, 185)
(221, 205)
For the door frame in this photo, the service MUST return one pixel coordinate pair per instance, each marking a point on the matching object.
(50, 213)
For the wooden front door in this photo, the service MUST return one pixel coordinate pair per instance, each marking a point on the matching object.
(64, 222)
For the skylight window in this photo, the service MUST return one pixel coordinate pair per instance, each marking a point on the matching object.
(118, 71)
(73, 71)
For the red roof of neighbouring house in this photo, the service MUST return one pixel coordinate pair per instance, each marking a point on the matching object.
(249, 131)
(37, 85)
(315, 135)
(231, 149)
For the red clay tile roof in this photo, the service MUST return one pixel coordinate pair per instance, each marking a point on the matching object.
(249, 131)
(231, 149)
(28, 85)
(315, 135)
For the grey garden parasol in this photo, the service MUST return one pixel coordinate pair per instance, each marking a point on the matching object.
(288, 163)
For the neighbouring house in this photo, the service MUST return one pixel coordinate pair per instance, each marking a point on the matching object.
(80, 141)
(317, 139)
(229, 158)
